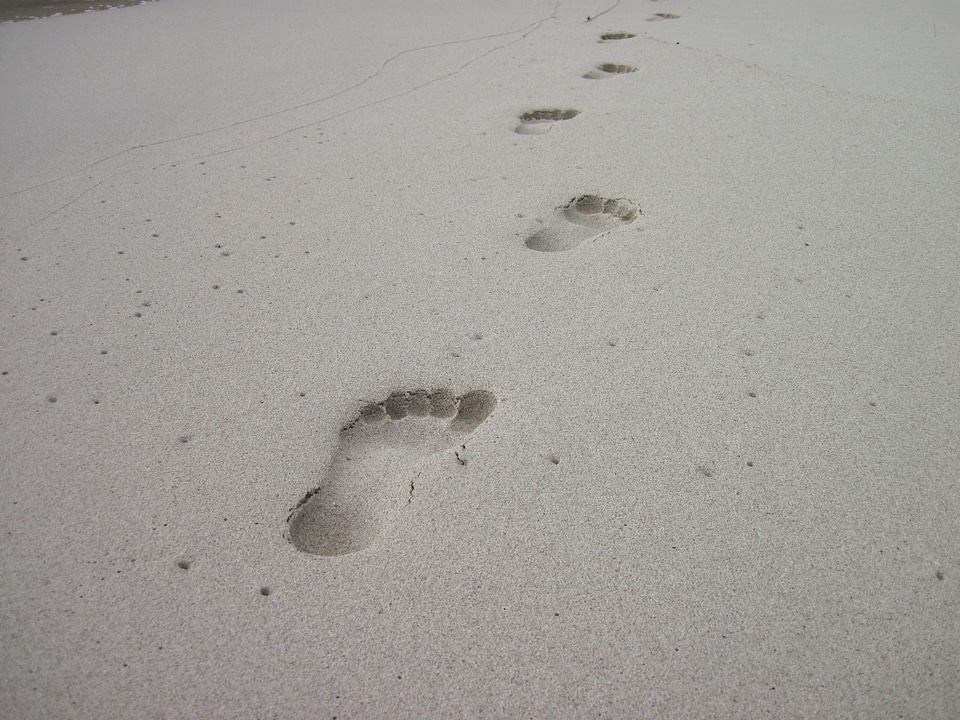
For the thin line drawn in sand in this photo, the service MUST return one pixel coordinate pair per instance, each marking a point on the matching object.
(586, 217)
(605, 71)
(377, 460)
(540, 122)
(591, 18)
(615, 36)
(524, 32)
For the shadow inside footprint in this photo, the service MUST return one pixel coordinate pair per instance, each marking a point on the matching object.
(370, 478)
(539, 122)
(609, 70)
(583, 218)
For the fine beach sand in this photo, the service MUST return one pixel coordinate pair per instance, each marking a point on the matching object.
(437, 359)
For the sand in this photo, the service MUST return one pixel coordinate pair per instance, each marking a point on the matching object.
(699, 459)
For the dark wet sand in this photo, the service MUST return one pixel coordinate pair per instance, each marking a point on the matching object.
(33, 9)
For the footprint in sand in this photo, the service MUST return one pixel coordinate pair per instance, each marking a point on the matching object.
(657, 17)
(375, 465)
(614, 36)
(609, 70)
(583, 218)
(540, 122)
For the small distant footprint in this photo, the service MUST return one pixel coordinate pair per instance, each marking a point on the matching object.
(609, 70)
(614, 36)
(656, 17)
(583, 218)
(540, 122)
(375, 464)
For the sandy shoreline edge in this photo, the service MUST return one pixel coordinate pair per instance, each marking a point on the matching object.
(21, 10)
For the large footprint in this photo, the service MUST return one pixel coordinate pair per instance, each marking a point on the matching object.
(584, 218)
(371, 476)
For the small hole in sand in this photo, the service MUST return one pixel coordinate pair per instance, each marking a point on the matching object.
(264, 591)
(184, 564)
